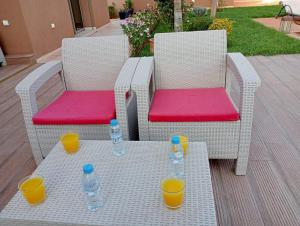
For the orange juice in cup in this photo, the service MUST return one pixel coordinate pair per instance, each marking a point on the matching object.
(184, 143)
(70, 142)
(173, 192)
(33, 189)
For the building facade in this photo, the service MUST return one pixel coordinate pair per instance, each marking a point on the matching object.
(32, 28)
(141, 4)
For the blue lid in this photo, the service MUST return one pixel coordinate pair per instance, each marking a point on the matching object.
(88, 168)
(114, 122)
(175, 140)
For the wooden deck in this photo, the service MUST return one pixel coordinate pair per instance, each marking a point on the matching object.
(268, 195)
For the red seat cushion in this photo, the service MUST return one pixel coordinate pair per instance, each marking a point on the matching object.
(79, 107)
(192, 105)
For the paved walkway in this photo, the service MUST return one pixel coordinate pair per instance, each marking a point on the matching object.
(275, 23)
(112, 28)
(268, 195)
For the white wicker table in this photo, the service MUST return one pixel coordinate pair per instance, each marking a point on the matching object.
(131, 186)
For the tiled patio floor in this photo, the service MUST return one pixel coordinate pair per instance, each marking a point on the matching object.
(268, 195)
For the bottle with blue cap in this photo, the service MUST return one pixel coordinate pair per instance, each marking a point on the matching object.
(91, 188)
(176, 157)
(116, 138)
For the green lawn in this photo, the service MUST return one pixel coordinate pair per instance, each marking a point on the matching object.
(250, 37)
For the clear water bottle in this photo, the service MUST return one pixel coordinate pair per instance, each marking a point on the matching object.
(176, 158)
(116, 138)
(91, 188)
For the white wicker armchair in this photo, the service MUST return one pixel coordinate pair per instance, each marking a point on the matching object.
(198, 60)
(98, 63)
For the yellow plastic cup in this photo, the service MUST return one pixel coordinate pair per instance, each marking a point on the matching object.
(183, 141)
(33, 189)
(173, 192)
(70, 142)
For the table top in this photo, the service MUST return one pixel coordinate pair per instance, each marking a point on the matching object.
(130, 186)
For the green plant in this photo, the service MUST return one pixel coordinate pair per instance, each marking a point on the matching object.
(199, 11)
(128, 4)
(222, 24)
(197, 23)
(112, 10)
(138, 29)
(166, 11)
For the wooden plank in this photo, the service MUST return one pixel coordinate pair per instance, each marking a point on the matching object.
(270, 192)
(221, 199)
(22, 171)
(10, 70)
(21, 155)
(241, 202)
(273, 195)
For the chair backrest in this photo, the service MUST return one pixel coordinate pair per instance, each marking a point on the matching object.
(93, 63)
(292, 6)
(190, 59)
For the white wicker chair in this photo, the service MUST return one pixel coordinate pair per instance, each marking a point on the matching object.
(197, 60)
(97, 63)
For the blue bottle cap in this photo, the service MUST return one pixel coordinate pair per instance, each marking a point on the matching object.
(175, 140)
(114, 122)
(88, 168)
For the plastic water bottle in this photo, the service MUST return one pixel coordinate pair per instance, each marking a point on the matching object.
(176, 158)
(116, 138)
(91, 188)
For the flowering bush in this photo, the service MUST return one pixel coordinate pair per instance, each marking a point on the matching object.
(138, 29)
(222, 24)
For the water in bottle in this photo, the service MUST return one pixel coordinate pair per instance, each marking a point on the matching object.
(91, 188)
(116, 138)
(176, 158)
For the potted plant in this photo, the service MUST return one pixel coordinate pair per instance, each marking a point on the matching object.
(112, 11)
(123, 14)
(129, 7)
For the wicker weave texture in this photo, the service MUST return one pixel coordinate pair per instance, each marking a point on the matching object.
(130, 184)
(224, 139)
(196, 59)
(93, 63)
(42, 138)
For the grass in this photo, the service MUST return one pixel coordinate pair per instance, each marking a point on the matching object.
(160, 28)
(250, 37)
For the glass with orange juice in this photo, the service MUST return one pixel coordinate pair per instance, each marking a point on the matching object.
(183, 142)
(33, 189)
(173, 192)
(70, 142)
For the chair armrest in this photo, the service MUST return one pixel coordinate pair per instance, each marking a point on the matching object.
(248, 81)
(142, 88)
(27, 89)
(38, 77)
(123, 82)
(243, 71)
(122, 90)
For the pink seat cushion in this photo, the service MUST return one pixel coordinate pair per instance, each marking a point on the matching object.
(192, 105)
(79, 107)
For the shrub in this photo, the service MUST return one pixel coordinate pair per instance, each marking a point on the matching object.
(199, 11)
(138, 29)
(112, 10)
(128, 4)
(222, 24)
(166, 11)
(197, 23)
